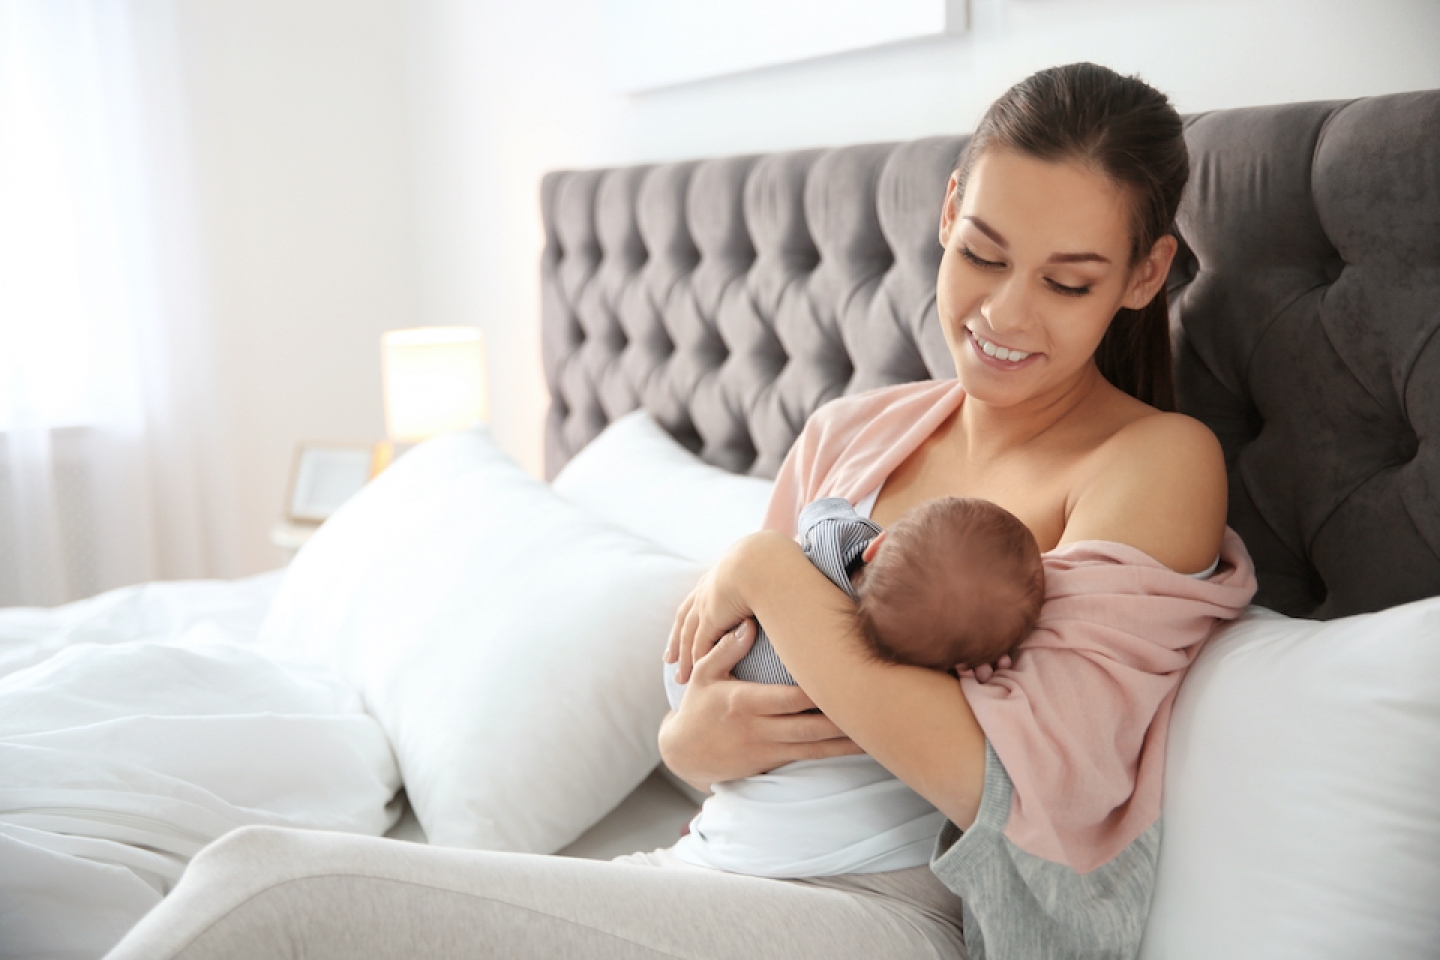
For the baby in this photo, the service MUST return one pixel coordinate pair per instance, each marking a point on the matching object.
(955, 582)
(952, 583)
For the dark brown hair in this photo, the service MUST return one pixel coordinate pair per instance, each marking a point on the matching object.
(954, 574)
(1126, 129)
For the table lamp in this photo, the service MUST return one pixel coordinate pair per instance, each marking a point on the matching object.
(434, 382)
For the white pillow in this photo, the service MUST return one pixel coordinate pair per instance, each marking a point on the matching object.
(1302, 792)
(508, 642)
(638, 477)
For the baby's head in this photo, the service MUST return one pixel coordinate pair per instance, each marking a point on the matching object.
(955, 581)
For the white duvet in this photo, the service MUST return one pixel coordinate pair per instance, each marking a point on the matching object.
(137, 727)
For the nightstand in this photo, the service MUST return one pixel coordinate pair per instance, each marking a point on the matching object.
(290, 535)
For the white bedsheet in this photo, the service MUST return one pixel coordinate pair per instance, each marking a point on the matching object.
(222, 609)
(138, 726)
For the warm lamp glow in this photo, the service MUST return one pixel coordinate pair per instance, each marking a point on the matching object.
(434, 381)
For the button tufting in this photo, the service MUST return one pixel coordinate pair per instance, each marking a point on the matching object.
(1407, 444)
(744, 328)
(1183, 269)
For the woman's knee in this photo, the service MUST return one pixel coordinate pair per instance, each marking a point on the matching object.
(250, 860)
(250, 847)
(255, 839)
(238, 869)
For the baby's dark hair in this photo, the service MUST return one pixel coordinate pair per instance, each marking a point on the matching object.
(955, 578)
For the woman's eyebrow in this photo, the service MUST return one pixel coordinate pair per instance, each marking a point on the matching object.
(989, 231)
(1077, 258)
(1000, 242)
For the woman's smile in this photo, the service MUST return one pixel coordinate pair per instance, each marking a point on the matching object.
(994, 354)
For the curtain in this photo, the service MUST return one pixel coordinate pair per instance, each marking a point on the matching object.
(112, 465)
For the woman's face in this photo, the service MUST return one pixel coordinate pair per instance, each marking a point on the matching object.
(1036, 263)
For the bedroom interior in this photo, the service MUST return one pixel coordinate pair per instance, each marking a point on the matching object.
(355, 168)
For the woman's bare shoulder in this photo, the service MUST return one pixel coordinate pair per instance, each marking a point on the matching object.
(1176, 433)
(1157, 484)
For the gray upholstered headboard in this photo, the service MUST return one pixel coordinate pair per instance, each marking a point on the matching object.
(732, 297)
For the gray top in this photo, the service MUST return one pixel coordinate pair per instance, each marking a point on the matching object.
(1018, 905)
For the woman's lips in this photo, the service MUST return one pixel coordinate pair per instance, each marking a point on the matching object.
(1002, 358)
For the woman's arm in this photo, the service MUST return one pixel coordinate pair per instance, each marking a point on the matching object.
(726, 729)
(914, 721)
(1160, 488)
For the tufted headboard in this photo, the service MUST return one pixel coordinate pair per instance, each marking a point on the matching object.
(732, 297)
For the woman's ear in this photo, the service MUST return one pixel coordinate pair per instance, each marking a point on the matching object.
(1150, 274)
(949, 211)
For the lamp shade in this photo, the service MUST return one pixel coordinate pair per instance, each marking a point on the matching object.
(434, 381)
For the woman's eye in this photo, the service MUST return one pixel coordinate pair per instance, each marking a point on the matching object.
(983, 264)
(969, 255)
(1065, 291)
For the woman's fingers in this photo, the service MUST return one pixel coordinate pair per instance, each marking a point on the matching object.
(687, 645)
(686, 616)
(820, 750)
(726, 729)
(693, 644)
(740, 635)
(779, 699)
(719, 662)
(788, 732)
(672, 644)
(805, 736)
(803, 728)
(699, 638)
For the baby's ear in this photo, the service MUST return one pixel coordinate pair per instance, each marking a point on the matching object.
(873, 547)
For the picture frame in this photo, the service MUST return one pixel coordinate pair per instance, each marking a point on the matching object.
(654, 44)
(324, 476)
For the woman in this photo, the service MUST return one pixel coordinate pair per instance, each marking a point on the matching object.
(1056, 234)
(1051, 298)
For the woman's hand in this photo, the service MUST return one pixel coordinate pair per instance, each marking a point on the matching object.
(696, 629)
(727, 729)
(715, 606)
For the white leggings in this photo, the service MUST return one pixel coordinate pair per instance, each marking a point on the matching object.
(273, 893)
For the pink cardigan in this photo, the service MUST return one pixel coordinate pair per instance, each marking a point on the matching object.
(1079, 723)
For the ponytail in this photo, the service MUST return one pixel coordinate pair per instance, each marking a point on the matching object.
(1135, 355)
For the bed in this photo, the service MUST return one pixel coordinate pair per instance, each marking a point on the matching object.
(466, 655)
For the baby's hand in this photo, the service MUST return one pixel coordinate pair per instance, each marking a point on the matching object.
(985, 671)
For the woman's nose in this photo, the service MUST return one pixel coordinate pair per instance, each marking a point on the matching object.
(1007, 308)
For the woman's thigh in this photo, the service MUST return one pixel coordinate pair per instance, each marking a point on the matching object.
(276, 893)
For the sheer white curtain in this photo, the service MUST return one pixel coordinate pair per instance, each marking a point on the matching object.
(111, 455)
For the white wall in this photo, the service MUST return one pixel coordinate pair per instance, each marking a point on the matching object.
(370, 164)
(300, 118)
(503, 91)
